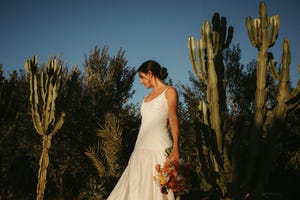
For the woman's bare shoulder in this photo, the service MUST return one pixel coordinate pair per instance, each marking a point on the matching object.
(171, 92)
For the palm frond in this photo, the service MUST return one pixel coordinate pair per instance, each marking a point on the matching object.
(91, 153)
(111, 134)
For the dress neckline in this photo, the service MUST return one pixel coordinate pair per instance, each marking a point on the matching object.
(156, 96)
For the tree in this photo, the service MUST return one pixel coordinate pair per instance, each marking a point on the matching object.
(16, 175)
(107, 87)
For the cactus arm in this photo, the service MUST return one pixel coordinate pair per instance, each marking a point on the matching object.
(51, 101)
(45, 93)
(215, 43)
(274, 28)
(215, 22)
(203, 108)
(208, 41)
(202, 58)
(258, 31)
(222, 33)
(286, 60)
(294, 98)
(43, 96)
(280, 110)
(31, 67)
(250, 29)
(229, 37)
(196, 68)
(35, 111)
(59, 124)
(263, 14)
(50, 106)
(273, 70)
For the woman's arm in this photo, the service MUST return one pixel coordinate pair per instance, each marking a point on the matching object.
(172, 99)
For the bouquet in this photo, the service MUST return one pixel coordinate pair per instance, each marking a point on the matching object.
(173, 175)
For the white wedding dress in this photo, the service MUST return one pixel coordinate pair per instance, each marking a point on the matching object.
(136, 182)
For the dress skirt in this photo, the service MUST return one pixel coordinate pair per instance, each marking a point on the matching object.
(136, 182)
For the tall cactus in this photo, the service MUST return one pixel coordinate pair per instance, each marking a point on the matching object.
(209, 68)
(206, 72)
(274, 122)
(42, 99)
(263, 33)
(209, 47)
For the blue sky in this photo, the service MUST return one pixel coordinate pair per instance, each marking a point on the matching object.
(154, 29)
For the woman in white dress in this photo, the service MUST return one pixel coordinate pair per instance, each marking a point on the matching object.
(158, 110)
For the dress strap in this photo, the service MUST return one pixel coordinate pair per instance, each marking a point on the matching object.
(167, 88)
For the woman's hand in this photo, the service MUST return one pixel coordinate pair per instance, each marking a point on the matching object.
(174, 155)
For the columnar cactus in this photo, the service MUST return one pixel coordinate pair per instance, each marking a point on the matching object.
(263, 33)
(209, 47)
(42, 99)
(205, 70)
(209, 68)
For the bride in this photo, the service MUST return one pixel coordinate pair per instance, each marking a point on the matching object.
(158, 110)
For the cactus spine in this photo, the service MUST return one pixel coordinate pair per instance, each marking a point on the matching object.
(42, 99)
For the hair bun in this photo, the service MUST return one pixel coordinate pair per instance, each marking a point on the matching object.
(163, 73)
(153, 66)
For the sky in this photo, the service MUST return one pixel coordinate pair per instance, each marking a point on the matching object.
(145, 29)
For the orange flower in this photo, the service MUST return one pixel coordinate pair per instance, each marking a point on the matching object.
(157, 167)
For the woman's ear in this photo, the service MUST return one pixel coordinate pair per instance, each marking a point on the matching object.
(150, 74)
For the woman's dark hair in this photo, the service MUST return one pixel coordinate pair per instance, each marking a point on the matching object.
(155, 68)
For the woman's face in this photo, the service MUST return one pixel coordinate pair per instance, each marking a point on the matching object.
(145, 79)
